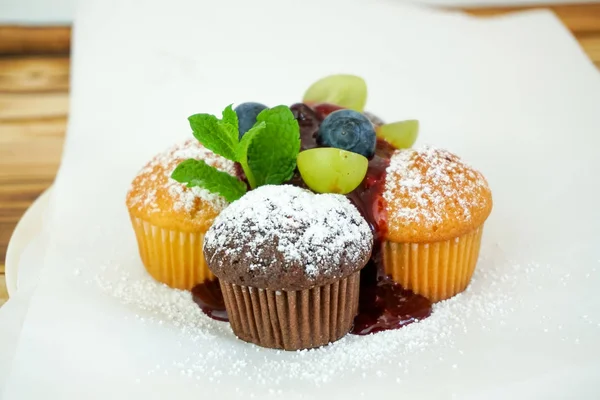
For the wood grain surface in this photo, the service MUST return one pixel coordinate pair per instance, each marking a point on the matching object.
(34, 100)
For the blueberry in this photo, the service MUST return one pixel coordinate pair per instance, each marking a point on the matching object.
(348, 130)
(247, 113)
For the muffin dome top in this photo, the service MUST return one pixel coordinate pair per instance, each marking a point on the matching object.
(287, 238)
(432, 195)
(162, 201)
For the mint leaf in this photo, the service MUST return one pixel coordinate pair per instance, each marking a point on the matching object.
(229, 124)
(198, 173)
(271, 153)
(228, 130)
(230, 117)
(242, 150)
(215, 135)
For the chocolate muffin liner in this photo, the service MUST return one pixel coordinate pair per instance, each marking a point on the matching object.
(436, 270)
(170, 256)
(292, 320)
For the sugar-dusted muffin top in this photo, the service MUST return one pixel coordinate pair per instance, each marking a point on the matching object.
(287, 238)
(431, 195)
(162, 201)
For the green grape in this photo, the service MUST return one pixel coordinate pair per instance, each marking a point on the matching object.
(348, 91)
(331, 170)
(401, 135)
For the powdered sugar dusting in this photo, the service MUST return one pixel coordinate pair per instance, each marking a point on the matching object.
(391, 355)
(288, 226)
(429, 186)
(155, 179)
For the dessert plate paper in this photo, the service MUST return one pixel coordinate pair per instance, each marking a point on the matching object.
(516, 97)
(29, 226)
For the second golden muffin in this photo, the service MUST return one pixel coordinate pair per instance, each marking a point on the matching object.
(436, 207)
(170, 219)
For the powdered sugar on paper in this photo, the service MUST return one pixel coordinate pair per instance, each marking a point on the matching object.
(385, 355)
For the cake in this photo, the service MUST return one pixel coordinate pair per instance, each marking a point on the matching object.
(436, 206)
(170, 219)
(289, 265)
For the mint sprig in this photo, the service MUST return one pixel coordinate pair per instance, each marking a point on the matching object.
(267, 152)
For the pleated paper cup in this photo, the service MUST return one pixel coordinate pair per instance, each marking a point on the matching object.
(292, 320)
(170, 256)
(437, 270)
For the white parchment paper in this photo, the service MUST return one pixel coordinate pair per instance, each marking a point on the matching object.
(515, 96)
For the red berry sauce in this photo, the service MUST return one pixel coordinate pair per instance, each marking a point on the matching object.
(209, 297)
(383, 304)
(324, 109)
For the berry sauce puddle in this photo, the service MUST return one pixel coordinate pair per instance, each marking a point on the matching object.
(383, 304)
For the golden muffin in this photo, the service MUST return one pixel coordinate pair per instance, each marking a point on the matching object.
(170, 219)
(436, 206)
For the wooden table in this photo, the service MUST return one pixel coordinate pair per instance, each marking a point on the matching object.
(34, 96)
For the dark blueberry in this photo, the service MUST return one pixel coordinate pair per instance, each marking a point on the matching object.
(348, 130)
(247, 113)
(309, 123)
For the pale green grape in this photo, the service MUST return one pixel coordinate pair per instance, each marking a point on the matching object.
(401, 135)
(348, 91)
(331, 170)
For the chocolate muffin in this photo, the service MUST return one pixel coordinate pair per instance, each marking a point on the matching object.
(289, 262)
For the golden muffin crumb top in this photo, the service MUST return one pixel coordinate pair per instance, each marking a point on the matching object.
(431, 195)
(162, 201)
